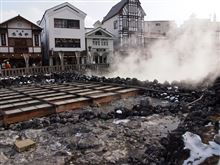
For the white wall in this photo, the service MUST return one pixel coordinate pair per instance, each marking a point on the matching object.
(109, 26)
(65, 13)
(20, 24)
(152, 28)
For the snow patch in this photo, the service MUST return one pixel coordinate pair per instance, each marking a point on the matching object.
(121, 121)
(209, 124)
(119, 112)
(199, 151)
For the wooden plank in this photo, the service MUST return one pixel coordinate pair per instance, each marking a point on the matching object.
(104, 98)
(113, 89)
(128, 92)
(27, 115)
(72, 104)
(89, 92)
(59, 97)
(104, 87)
(50, 95)
(80, 91)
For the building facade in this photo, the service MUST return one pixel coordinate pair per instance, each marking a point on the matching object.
(125, 21)
(157, 30)
(63, 35)
(99, 46)
(20, 42)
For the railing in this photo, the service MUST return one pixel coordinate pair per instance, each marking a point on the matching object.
(51, 69)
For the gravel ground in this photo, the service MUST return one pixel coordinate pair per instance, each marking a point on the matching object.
(95, 141)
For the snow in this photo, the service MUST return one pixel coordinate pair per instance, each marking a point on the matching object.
(209, 124)
(199, 151)
(121, 121)
(119, 112)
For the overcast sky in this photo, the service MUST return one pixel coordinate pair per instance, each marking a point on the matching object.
(177, 10)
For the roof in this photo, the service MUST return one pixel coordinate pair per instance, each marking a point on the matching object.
(115, 10)
(18, 16)
(62, 5)
(160, 21)
(97, 29)
(89, 29)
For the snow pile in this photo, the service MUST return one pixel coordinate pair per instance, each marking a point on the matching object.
(199, 151)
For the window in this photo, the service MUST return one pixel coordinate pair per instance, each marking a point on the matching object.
(157, 24)
(66, 23)
(67, 43)
(104, 42)
(115, 24)
(98, 33)
(3, 39)
(96, 42)
(36, 40)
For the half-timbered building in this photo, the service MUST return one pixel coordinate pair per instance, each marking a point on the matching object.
(125, 20)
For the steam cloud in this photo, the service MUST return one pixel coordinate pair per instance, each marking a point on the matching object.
(189, 54)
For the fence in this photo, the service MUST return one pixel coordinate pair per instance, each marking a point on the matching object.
(50, 69)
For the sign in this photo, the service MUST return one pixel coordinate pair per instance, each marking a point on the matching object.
(19, 33)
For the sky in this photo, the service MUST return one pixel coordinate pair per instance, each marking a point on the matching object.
(177, 10)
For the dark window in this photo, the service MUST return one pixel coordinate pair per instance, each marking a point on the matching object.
(157, 24)
(98, 33)
(115, 24)
(67, 43)
(3, 39)
(66, 23)
(36, 40)
(96, 42)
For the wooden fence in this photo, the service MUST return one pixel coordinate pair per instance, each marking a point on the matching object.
(51, 69)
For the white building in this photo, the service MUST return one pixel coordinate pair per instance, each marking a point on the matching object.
(20, 42)
(99, 45)
(157, 30)
(125, 21)
(63, 34)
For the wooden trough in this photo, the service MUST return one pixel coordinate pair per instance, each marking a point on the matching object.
(27, 102)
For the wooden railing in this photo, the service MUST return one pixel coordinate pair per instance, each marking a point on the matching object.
(51, 69)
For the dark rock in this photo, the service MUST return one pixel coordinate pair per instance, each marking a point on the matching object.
(87, 115)
(121, 113)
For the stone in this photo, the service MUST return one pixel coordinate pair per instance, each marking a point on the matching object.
(23, 145)
(145, 102)
(3, 158)
(88, 142)
(217, 139)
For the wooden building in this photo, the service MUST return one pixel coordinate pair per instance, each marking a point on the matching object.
(20, 43)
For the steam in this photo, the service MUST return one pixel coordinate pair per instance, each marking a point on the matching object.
(189, 54)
